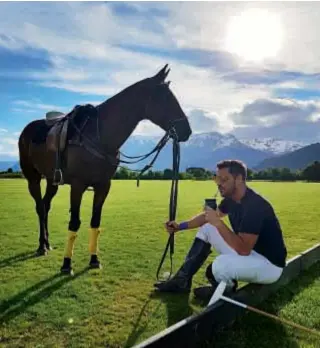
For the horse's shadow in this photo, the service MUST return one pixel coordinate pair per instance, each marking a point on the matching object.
(9, 261)
(17, 304)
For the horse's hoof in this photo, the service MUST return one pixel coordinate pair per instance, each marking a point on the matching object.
(66, 267)
(41, 252)
(94, 262)
(67, 271)
(96, 265)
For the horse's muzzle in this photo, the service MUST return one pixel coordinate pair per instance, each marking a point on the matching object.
(180, 129)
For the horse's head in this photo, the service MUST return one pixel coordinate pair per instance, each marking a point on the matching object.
(163, 108)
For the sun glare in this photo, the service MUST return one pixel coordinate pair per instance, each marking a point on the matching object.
(254, 35)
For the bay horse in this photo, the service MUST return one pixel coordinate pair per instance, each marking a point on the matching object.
(93, 161)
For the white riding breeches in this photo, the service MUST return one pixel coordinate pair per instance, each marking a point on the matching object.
(229, 265)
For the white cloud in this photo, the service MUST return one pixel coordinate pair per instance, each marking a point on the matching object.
(205, 27)
(147, 127)
(3, 130)
(85, 56)
(34, 105)
(9, 141)
(283, 118)
(9, 145)
(201, 122)
(195, 88)
(92, 30)
(280, 110)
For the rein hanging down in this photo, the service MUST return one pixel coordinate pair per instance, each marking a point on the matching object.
(174, 185)
(172, 204)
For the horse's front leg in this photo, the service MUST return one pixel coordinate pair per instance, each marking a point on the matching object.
(50, 193)
(35, 191)
(100, 194)
(76, 193)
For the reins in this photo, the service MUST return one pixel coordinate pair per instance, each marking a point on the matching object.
(174, 186)
(173, 203)
(94, 149)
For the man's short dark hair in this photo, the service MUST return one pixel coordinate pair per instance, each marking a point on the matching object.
(235, 167)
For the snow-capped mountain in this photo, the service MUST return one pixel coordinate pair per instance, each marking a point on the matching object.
(206, 149)
(201, 150)
(273, 145)
(213, 140)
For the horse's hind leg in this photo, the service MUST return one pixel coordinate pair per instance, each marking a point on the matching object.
(76, 192)
(100, 194)
(50, 193)
(35, 191)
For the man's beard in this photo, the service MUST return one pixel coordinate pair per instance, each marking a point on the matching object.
(229, 193)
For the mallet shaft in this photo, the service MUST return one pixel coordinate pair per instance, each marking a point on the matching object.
(270, 315)
(284, 321)
(233, 301)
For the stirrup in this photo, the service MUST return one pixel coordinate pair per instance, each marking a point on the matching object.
(55, 181)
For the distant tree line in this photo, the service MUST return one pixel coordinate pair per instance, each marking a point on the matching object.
(10, 174)
(190, 174)
(311, 174)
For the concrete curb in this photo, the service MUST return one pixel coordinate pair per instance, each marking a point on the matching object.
(195, 330)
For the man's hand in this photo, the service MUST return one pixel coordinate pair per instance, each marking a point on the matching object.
(172, 226)
(212, 216)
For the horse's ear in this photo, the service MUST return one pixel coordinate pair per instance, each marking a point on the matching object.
(162, 74)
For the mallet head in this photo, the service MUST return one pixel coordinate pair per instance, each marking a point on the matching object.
(218, 293)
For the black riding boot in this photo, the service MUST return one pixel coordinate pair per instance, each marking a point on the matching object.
(182, 280)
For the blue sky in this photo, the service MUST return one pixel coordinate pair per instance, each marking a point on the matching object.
(247, 68)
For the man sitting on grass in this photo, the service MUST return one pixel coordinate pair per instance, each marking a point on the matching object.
(253, 252)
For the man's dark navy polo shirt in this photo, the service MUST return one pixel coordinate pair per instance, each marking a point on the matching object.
(254, 214)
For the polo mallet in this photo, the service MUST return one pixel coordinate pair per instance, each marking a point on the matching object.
(218, 295)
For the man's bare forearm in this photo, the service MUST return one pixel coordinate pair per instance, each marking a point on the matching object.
(196, 221)
(233, 240)
(199, 220)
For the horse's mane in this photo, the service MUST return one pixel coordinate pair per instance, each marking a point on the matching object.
(122, 93)
(144, 83)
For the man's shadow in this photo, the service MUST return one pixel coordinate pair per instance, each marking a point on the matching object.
(17, 304)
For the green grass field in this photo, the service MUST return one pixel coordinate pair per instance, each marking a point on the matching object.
(115, 306)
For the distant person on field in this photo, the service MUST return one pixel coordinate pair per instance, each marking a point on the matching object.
(253, 252)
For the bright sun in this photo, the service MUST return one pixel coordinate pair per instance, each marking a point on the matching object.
(254, 35)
